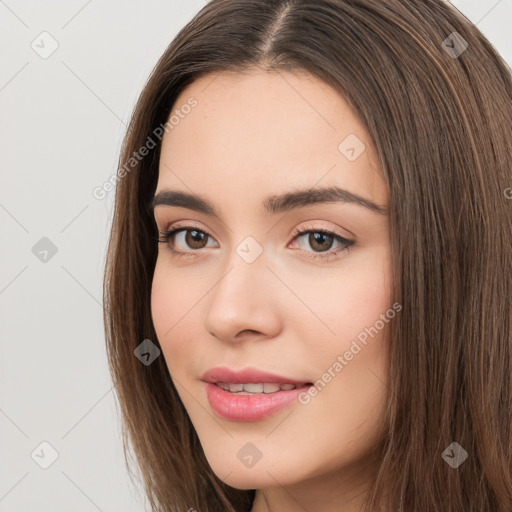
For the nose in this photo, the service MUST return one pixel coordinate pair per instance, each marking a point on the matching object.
(245, 302)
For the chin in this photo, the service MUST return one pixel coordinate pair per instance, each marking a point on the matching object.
(246, 479)
(260, 475)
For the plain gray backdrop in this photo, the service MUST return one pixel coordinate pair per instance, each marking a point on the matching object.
(70, 75)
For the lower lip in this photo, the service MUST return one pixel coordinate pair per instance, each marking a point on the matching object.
(232, 406)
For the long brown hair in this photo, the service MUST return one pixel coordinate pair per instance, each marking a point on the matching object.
(436, 99)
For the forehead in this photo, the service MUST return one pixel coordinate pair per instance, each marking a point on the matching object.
(256, 131)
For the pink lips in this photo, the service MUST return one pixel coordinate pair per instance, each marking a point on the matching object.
(255, 407)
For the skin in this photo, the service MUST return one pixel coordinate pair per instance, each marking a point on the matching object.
(251, 135)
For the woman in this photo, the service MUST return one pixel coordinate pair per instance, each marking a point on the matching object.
(308, 277)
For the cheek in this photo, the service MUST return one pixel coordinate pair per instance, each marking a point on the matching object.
(344, 303)
(161, 302)
(366, 295)
(170, 300)
(171, 297)
(371, 286)
(176, 305)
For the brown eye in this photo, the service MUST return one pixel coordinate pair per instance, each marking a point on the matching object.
(185, 240)
(195, 239)
(320, 241)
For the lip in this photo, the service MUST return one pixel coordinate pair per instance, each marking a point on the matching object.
(234, 407)
(246, 376)
(256, 407)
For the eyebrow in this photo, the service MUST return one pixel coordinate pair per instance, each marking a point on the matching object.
(272, 204)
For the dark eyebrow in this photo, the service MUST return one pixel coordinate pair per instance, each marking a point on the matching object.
(272, 204)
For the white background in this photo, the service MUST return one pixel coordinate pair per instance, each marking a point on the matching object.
(62, 121)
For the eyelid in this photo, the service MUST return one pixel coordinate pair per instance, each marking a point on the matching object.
(310, 226)
(174, 228)
(296, 231)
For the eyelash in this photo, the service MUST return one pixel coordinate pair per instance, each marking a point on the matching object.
(167, 236)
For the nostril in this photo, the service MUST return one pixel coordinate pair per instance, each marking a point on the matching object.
(245, 332)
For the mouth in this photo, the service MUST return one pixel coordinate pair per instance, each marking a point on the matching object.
(252, 388)
(252, 401)
(250, 394)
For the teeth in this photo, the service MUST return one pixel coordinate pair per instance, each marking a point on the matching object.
(254, 388)
(270, 388)
(251, 388)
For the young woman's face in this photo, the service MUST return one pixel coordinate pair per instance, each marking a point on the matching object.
(245, 292)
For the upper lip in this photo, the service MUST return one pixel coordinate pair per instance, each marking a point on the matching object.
(246, 376)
